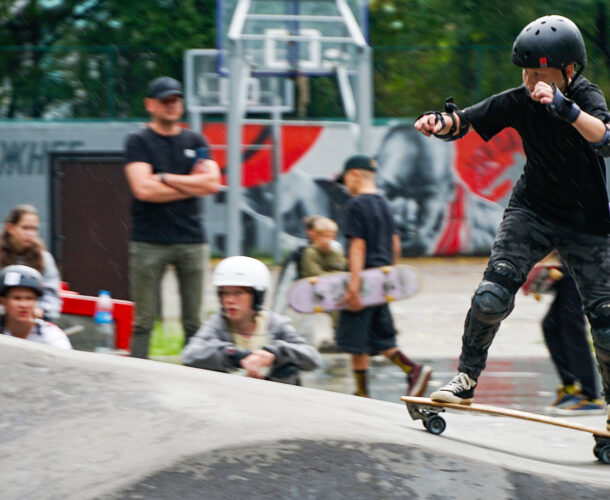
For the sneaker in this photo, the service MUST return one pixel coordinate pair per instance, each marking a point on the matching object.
(608, 421)
(417, 380)
(567, 396)
(584, 406)
(459, 390)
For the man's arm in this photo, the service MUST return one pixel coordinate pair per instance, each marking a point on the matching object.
(147, 186)
(203, 180)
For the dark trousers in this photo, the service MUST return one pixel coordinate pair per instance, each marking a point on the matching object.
(566, 337)
(523, 239)
(147, 264)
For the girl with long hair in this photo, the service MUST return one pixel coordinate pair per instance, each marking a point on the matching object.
(20, 244)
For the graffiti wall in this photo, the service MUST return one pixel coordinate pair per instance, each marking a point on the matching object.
(447, 198)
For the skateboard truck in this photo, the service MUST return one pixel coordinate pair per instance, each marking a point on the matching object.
(429, 415)
(601, 450)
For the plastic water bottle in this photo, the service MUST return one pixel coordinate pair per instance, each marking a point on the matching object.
(104, 322)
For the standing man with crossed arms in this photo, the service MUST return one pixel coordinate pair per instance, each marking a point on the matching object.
(167, 181)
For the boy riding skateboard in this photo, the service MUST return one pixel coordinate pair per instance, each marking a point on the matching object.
(560, 201)
(372, 243)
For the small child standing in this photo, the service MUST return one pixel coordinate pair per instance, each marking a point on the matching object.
(363, 332)
(323, 255)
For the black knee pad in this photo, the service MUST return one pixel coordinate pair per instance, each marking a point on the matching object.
(492, 302)
(505, 274)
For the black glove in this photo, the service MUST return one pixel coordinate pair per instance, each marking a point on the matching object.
(563, 108)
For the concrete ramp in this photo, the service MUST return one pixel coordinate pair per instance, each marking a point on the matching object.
(85, 425)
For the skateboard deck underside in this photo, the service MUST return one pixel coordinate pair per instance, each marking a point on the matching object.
(379, 286)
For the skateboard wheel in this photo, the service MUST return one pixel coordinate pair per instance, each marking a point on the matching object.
(436, 425)
(538, 297)
(603, 453)
(555, 274)
(389, 298)
(318, 309)
(313, 280)
(386, 269)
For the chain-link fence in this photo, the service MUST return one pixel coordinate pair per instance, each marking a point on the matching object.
(110, 82)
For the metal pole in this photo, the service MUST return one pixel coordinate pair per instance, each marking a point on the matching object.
(365, 99)
(234, 156)
(277, 173)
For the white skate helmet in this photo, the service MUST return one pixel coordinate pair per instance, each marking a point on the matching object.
(246, 272)
(20, 276)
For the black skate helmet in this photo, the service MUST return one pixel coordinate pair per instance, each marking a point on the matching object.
(549, 41)
(20, 276)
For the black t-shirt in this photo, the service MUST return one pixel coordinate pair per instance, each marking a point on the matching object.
(176, 221)
(369, 216)
(563, 179)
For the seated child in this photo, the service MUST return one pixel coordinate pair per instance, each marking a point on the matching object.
(242, 335)
(20, 289)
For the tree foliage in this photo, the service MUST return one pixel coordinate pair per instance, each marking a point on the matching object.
(92, 58)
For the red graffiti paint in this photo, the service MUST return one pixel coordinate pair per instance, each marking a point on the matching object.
(296, 141)
(481, 165)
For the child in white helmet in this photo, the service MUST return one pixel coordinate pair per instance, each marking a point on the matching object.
(244, 336)
(20, 289)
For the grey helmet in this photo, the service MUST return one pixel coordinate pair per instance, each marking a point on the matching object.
(24, 276)
(549, 41)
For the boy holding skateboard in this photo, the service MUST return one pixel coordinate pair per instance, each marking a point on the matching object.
(559, 202)
(372, 243)
(243, 336)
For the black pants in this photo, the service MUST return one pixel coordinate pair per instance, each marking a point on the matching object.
(523, 239)
(566, 337)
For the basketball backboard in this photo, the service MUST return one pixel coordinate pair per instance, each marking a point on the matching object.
(207, 91)
(288, 37)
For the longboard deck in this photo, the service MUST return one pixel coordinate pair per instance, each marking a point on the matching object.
(506, 412)
(427, 411)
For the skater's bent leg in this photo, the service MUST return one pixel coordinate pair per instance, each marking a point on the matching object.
(491, 303)
(600, 331)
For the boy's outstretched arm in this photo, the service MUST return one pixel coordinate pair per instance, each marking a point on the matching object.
(450, 125)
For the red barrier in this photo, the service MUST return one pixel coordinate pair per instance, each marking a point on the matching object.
(84, 305)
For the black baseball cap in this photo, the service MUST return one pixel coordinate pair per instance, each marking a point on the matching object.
(357, 162)
(164, 86)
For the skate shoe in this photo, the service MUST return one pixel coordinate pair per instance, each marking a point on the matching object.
(459, 390)
(567, 395)
(608, 421)
(584, 406)
(417, 380)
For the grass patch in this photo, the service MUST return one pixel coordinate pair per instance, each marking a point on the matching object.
(167, 338)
